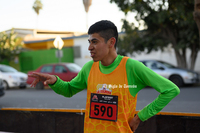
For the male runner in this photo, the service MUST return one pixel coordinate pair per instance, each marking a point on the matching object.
(112, 109)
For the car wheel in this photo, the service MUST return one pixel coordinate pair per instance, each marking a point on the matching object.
(39, 86)
(22, 87)
(5, 85)
(177, 80)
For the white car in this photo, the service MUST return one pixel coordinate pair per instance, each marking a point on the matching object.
(1, 87)
(177, 75)
(12, 78)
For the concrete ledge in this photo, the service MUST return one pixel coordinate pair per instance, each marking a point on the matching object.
(41, 122)
(26, 120)
(83, 111)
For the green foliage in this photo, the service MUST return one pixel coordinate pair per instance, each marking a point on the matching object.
(166, 21)
(37, 6)
(10, 46)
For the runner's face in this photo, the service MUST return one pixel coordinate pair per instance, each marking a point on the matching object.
(99, 50)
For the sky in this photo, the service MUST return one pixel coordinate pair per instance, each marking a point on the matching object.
(58, 15)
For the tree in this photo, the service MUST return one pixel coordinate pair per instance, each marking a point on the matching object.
(167, 22)
(10, 46)
(87, 4)
(37, 6)
(196, 13)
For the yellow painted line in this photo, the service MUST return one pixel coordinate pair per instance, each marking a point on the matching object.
(83, 111)
(179, 114)
(45, 110)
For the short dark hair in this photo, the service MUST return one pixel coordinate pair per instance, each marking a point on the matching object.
(105, 29)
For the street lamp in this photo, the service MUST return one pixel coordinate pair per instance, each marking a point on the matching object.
(58, 43)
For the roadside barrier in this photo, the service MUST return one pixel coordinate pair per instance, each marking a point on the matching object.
(28, 120)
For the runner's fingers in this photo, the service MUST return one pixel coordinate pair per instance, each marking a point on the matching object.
(47, 82)
(35, 82)
(131, 126)
(41, 75)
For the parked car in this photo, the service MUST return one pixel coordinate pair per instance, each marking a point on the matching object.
(65, 71)
(12, 77)
(1, 87)
(177, 75)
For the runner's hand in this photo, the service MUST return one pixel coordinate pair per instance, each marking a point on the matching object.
(134, 123)
(46, 78)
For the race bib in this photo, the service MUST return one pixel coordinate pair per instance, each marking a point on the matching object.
(103, 107)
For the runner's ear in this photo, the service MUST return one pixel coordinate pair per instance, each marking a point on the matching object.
(112, 41)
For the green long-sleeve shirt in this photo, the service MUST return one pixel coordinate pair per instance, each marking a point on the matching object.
(137, 74)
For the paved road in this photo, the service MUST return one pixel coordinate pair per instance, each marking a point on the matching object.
(187, 101)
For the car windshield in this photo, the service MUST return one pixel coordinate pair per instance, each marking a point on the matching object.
(73, 67)
(167, 64)
(7, 69)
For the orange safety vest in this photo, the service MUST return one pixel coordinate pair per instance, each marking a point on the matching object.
(109, 86)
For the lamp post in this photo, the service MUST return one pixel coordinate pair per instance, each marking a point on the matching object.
(58, 43)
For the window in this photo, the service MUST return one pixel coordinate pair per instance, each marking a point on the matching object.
(47, 69)
(60, 69)
(153, 65)
(4, 68)
(77, 52)
(73, 67)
